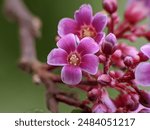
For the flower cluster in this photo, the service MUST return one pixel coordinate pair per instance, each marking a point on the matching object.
(89, 55)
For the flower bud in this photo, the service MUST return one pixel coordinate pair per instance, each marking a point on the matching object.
(99, 108)
(128, 61)
(93, 94)
(129, 102)
(104, 79)
(107, 48)
(135, 12)
(144, 98)
(110, 5)
(109, 44)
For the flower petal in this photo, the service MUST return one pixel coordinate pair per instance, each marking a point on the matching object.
(89, 63)
(71, 75)
(99, 22)
(66, 26)
(142, 74)
(68, 43)
(87, 45)
(146, 50)
(100, 37)
(84, 14)
(57, 57)
(111, 38)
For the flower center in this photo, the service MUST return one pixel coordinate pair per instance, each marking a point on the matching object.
(74, 59)
(87, 31)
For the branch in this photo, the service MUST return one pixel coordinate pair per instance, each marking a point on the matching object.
(29, 30)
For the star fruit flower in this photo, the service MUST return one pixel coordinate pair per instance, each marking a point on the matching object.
(84, 24)
(75, 56)
(142, 71)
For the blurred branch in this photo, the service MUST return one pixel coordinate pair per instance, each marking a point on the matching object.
(29, 30)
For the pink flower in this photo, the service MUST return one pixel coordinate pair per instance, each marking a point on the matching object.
(75, 56)
(84, 24)
(142, 74)
(142, 71)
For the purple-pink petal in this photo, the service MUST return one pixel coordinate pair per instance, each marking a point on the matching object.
(66, 26)
(57, 57)
(142, 74)
(87, 45)
(99, 22)
(84, 15)
(89, 63)
(100, 38)
(111, 38)
(68, 43)
(145, 49)
(71, 75)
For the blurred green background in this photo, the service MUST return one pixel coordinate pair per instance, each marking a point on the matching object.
(17, 92)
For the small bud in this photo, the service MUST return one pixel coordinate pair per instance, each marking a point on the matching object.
(93, 94)
(130, 102)
(104, 79)
(107, 48)
(144, 98)
(119, 73)
(117, 54)
(128, 61)
(112, 73)
(136, 59)
(116, 74)
(110, 6)
(109, 44)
